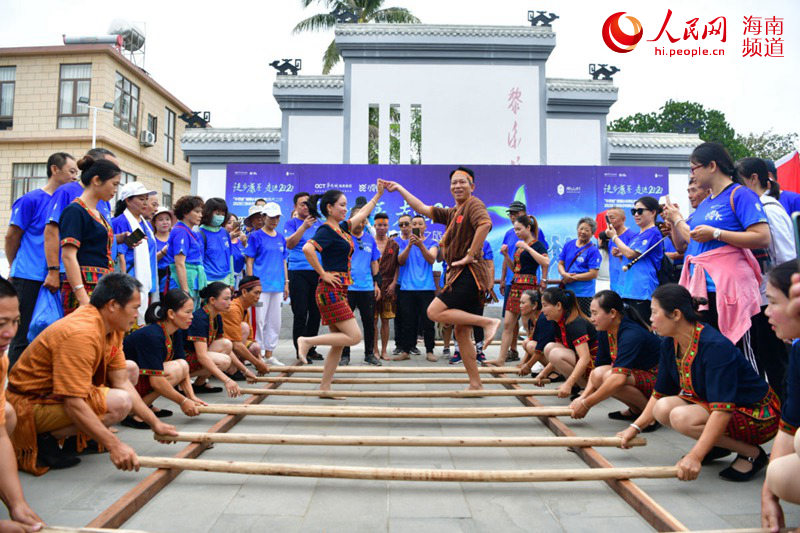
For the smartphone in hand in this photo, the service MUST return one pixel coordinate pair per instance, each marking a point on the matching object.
(417, 232)
(134, 237)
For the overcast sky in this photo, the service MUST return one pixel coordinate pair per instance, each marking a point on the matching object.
(213, 56)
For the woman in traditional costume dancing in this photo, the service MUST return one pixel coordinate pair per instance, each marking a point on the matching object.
(708, 391)
(574, 347)
(528, 255)
(335, 246)
(626, 363)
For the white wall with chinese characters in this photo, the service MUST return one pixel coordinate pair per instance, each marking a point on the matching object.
(315, 139)
(574, 141)
(471, 113)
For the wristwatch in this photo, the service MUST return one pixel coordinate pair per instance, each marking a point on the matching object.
(717, 233)
(52, 268)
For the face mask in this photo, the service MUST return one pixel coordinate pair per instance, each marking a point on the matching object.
(217, 220)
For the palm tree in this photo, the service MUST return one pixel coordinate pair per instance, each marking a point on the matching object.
(365, 11)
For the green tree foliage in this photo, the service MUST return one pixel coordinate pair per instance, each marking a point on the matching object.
(769, 145)
(365, 10)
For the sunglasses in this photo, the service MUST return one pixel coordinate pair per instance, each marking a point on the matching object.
(639, 211)
(403, 224)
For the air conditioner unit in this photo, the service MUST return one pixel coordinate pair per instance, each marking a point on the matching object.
(148, 138)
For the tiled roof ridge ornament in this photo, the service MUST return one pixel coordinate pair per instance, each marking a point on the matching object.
(287, 68)
(543, 17)
(607, 73)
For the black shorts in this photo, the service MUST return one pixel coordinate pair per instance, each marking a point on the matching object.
(464, 294)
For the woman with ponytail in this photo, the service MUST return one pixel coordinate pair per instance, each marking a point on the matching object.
(158, 350)
(526, 259)
(574, 347)
(627, 359)
(208, 352)
(335, 246)
(87, 238)
(783, 474)
(706, 390)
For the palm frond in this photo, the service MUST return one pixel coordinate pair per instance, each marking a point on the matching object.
(319, 22)
(394, 15)
(326, 3)
(330, 58)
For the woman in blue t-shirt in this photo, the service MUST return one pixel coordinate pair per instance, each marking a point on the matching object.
(783, 474)
(185, 250)
(626, 363)
(238, 245)
(162, 225)
(640, 279)
(579, 263)
(706, 390)
(217, 257)
(265, 256)
(335, 245)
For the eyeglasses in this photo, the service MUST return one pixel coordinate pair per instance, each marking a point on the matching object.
(403, 224)
(639, 211)
(693, 168)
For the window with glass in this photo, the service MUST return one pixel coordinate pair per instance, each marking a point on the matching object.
(152, 125)
(166, 193)
(8, 76)
(126, 105)
(27, 177)
(75, 82)
(169, 136)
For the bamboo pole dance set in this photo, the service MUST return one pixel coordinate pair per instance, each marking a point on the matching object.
(167, 468)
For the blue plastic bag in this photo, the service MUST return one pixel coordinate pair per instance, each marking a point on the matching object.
(48, 309)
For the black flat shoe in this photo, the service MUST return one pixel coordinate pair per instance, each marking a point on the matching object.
(576, 392)
(344, 361)
(51, 456)
(313, 355)
(758, 463)
(715, 453)
(161, 413)
(238, 376)
(619, 415)
(130, 422)
(205, 389)
(651, 428)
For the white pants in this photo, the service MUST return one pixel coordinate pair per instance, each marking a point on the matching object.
(268, 320)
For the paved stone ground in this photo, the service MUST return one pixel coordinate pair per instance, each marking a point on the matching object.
(198, 501)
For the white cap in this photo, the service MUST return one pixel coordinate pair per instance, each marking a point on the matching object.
(254, 210)
(134, 188)
(161, 209)
(271, 210)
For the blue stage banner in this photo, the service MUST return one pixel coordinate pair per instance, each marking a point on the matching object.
(556, 195)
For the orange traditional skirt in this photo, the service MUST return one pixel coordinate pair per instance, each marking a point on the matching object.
(522, 283)
(90, 275)
(755, 424)
(332, 301)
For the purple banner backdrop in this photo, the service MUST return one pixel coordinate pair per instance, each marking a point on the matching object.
(556, 195)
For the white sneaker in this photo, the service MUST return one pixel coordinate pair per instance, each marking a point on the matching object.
(274, 361)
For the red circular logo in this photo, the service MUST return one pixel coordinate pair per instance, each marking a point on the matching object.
(618, 40)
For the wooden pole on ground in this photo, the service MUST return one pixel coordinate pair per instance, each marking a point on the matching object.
(410, 474)
(358, 440)
(407, 380)
(383, 412)
(60, 529)
(402, 393)
(305, 369)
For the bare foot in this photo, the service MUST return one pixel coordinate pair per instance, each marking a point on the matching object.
(495, 362)
(489, 332)
(385, 357)
(328, 395)
(474, 388)
(402, 357)
(303, 346)
(430, 357)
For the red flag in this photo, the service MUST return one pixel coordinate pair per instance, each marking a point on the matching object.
(789, 171)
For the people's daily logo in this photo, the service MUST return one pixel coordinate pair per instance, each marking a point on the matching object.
(618, 40)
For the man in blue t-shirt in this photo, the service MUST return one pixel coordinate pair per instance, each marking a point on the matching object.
(25, 244)
(302, 278)
(417, 289)
(365, 289)
(616, 218)
(515, 210)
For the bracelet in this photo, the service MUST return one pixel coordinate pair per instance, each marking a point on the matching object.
(52, 268)
(77, 288)
(637, 428)
(184, 401)
(585, 404)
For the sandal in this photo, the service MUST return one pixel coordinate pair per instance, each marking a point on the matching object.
(758, 463)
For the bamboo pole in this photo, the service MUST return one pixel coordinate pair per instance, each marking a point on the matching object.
(305, 369)
(61, 529)
(417, 441)
(402, 393)
(383, 412)
(406, 380)
(409, 474)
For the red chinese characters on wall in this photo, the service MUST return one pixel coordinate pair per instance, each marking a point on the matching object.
(513, 139)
